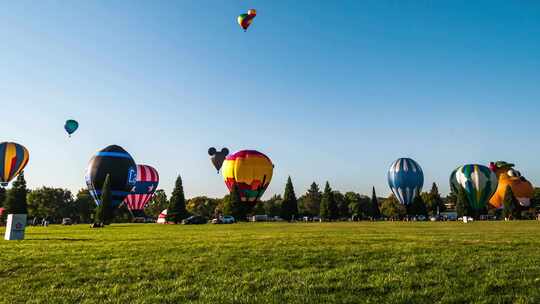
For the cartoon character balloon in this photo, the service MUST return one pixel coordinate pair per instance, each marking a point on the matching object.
(523, 190)
(218, 157)
(71, 126)
(13, 159)
(251, 171)
(478, 182)
(245, 20)
(116, 162)
(145, 186)
(406, 180)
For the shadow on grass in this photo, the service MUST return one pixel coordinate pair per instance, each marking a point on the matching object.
(59, 239)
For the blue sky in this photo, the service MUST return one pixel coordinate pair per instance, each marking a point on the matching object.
(329, 90)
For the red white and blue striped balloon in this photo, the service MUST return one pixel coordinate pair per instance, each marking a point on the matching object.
(406, 180)
(145, 186)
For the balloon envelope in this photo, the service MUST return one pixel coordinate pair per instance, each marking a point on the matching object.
(71, 126)
(218, 157)
(251, 171)
(245, 20)
(13, 159)
(406, 179)
(145, 186)
(478, 182)
(116, 162)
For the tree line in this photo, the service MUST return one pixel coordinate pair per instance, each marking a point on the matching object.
(54, 204)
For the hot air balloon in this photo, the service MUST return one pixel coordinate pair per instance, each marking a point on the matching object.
(251, 171)
(454, 185)
(71, 126)
(13, 159)
(218, 158)
(116, 162)
(245, 20)
(479, 183)
(145, 186)
(406, 180)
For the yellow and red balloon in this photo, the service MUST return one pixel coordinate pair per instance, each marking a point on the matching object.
(245, 20)
(13, 159)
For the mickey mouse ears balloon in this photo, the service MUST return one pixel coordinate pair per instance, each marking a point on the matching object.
(218, 158)
(245, 20)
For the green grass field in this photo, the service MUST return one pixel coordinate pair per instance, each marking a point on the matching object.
(384, 262)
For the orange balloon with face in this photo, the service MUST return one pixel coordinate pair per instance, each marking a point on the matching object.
(521, 187)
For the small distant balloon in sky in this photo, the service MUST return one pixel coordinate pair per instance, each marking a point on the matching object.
(71, 126)
(245, 20)
(218, 157)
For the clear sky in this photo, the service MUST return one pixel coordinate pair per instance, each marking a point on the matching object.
(329, 90)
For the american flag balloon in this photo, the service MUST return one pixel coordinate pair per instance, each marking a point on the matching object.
(145, 186)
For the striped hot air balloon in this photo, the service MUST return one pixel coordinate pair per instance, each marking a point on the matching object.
(406, 180)
(13, 159)
(245, 20)
(251, 171)
(479, 183)
(145, 186)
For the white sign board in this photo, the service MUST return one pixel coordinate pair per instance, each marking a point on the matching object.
(15, 227)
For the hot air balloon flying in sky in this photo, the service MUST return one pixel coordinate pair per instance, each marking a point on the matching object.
(116, 162)
(479, 183)
(145, 186)
(13, 159)
(71, 126)
(245, 20)
(406, 180)
(251, 171)
(218, 157)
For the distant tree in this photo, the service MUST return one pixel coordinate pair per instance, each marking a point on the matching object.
(392, 209)
(535, 200)
(157, 204)
(289, 205)
(106, 201)
(417, 207)
(202, 205)
(99, 215)
(462, 203)
(311, 201)
(329, 210)
(342, 205)
(233, 205)
(272, 206)
(177, 211)
(3, 195)
(15, 202)
(122, 214)
(353, 202)
(451, 200)
(510, 204)
(84, 206)
(374, 210)
(259, 208)
(51, 203)
(435, 203)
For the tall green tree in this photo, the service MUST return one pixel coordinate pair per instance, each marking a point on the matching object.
(329, 210)
(177, 211)
(510, 204)
(272, 206)
(289, 205)
(84, 206)
(106, 206)
(462, 203)
(157, 204)
(392, 209)
(353, 202)
(51, 203)
(417, 207)
(342, 205)
(15, 202)
(435, 202)
(233, 205)
(374, 211)
(3, 194)
(310, 203)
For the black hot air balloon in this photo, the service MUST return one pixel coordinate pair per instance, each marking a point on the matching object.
(218, 157)
(116, 162)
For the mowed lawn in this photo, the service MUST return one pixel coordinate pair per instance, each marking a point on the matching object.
(383, 262)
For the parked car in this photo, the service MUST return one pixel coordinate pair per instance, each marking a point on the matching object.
(259, 218)
(228, 219)
(194, 220)
(67, 221)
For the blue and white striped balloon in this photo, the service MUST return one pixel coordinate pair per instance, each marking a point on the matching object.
(406, 180)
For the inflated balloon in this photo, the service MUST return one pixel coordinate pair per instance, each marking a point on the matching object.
(245, 20)
(478, 182)
(406, 180)
(145, 186)
(71, 126)
(218, 158)
(116, 162)
(13, 159)
(251, 171)
(454, 185)
(522, 189)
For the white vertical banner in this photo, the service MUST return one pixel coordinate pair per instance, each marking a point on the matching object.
(16, 223)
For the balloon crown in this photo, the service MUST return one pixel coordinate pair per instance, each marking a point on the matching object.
(500, 165)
